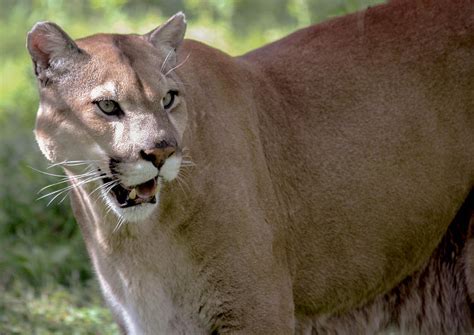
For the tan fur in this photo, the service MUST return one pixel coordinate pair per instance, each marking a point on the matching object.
(328, 167)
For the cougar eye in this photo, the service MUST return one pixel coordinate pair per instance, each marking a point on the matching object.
(168, 100)
(108, 107)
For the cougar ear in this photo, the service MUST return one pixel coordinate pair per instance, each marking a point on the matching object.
(170, 34)
(48, 44)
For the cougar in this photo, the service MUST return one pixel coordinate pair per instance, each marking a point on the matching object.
(321, 184)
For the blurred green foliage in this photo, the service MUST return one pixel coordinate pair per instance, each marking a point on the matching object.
(42, 252)
(55, 310)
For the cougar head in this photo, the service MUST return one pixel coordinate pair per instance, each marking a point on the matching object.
(115, 103)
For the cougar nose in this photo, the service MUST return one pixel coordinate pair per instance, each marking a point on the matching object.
(159, 154)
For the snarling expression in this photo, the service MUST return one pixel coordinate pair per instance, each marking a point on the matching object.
(116, 104)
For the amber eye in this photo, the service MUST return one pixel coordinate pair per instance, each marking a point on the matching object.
(168, 100)
(108, 107)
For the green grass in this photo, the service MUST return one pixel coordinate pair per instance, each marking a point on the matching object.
(54, 310)
(46, 281)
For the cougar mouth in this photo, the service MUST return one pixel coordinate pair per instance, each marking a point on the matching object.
(128, 196)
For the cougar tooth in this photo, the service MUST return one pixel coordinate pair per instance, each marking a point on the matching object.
(133, 194)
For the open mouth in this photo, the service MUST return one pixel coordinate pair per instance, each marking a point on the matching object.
(128, 196)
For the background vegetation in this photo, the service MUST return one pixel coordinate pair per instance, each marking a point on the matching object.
(46, 282)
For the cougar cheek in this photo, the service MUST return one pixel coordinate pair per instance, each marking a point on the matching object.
(170, 168)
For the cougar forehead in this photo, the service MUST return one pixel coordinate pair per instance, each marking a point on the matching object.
(124, 66)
